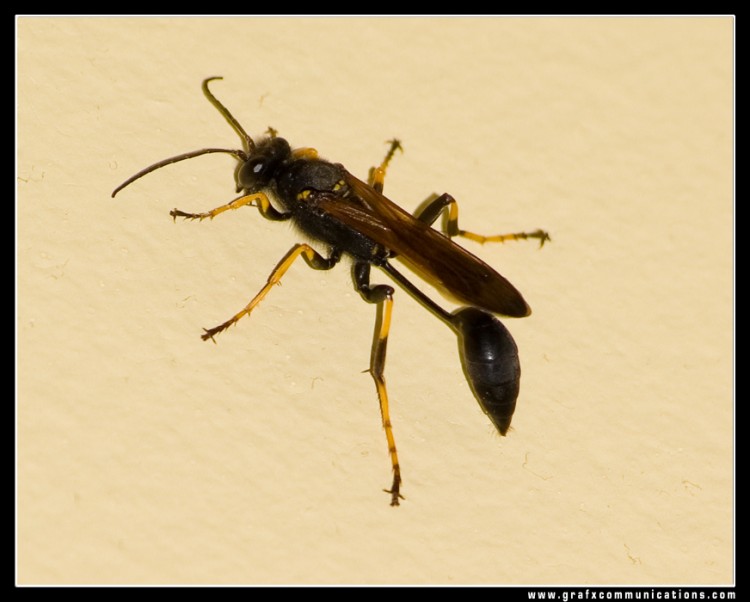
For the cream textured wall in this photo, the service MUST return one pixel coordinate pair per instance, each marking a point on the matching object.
(148, 456)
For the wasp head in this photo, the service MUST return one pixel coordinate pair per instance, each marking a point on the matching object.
(263, 164)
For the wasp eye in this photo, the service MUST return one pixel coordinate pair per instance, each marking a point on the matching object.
(254, 173)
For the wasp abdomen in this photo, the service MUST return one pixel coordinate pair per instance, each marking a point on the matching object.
(489, 357)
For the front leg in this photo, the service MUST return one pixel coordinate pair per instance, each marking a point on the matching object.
(376, 177)
(257, 199)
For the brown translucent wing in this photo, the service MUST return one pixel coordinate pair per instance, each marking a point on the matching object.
(435, 257)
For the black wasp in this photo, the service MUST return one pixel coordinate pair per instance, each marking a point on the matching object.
(352, 217)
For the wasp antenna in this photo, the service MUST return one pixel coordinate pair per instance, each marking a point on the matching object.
(247, 141)
(241, 155)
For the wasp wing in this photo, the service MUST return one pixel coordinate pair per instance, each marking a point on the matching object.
(435, 257)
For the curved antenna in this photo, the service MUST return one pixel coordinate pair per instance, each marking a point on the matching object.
(247, 141)
(241, 155)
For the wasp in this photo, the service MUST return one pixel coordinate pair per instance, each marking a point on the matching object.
(353, 218)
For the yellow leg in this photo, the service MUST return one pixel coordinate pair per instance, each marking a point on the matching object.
(377, 364)
(313, 259)
(435, 205)
(540, 234)
(376, 177)
(382, 294)
(258, 200)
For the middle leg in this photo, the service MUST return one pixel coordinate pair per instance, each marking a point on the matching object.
(314, 259)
